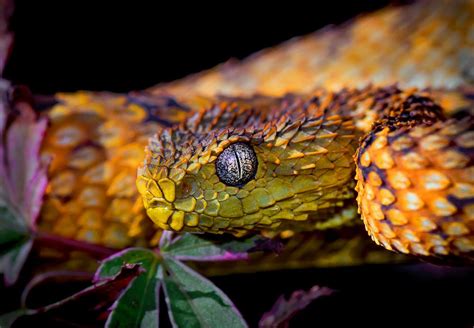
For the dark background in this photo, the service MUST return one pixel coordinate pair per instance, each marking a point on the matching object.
(129, 47)
(64, 46)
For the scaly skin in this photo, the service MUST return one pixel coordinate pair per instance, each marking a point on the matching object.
(95, 143)
(414, 192)
(424, 44)
(305, 144)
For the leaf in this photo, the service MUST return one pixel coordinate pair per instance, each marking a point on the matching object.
(7, 319)
(6, 37)
(193, 301)
(138, 305)
(198, 248)
(151, 318)
(26, 176)
(84, 307)
(3, 121)
(23, 180)
(45, 280)
(13, 259)
(11, 228)
(15, 245)
(166, 239)
(283, 310)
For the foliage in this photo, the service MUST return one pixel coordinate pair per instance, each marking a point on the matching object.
(192, 300)
(284, 309)
(127, 287)
(22, 183)
(83, 307)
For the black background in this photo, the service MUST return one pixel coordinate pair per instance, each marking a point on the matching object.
(122, 47)
(129, 47)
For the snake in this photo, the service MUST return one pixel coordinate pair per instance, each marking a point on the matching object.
(363, 129)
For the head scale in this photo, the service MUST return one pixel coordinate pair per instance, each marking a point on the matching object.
(236, 167)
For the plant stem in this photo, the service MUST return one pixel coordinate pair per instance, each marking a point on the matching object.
(67, 244)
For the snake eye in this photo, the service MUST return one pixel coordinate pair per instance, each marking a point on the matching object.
(237, 164)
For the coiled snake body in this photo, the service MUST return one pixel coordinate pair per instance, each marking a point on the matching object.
(220, 159)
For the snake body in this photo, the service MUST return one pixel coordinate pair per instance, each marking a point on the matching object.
(317, 124)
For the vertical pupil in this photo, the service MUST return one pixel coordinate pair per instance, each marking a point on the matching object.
(237, 164)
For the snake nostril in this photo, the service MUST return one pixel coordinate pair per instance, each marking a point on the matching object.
(160, 203)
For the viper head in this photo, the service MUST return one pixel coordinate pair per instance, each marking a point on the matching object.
(248, 165)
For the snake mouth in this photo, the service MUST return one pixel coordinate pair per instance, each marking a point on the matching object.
(169, 203)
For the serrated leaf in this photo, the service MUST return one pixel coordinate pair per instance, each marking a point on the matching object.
(283, 310)
(138, 305)
(84, 307)
(204, 248)
(13, 259)
(25, 173)
(23, 180)
(194, 301)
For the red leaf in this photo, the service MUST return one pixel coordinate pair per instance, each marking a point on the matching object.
(6, 37)
(23, 180)
(86, 307)
(283, 310)
(23, 176)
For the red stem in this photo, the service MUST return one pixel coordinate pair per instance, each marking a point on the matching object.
(58, 242)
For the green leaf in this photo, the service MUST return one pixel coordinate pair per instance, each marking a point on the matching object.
(12, 226)
(138, 305)
(199, 248)
(15, 243)
(151, 318)
(7, 319)
(193, 301)
(13, 259)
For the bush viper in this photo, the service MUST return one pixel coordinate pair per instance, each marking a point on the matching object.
(273, 144)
